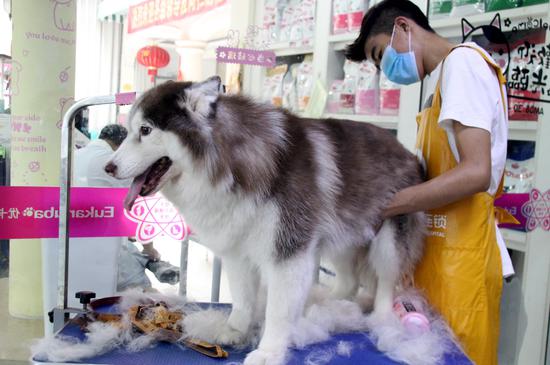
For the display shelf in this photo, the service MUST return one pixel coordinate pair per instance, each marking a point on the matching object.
(340, 41)
(522, 131)
(515, 240)
(286, 49)
(383, 121)
(452, 27)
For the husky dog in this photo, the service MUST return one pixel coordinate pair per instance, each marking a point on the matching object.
(266, 190)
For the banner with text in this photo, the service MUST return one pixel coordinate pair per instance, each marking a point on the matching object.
(33, 212)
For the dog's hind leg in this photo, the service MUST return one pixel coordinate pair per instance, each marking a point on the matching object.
(385, 261)
(243, 285)
(288, 285)
(344, 263)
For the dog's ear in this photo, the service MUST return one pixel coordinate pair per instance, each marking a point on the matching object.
(201, 96)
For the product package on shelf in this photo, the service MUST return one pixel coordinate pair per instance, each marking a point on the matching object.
(347, 15)
(272, 20)
(356, 10)
(303, 25)
(467, 7)
(534, 2)
(273, 85)
(519, 175)
(440, 8)
(339, 16)
(290, 21)
(349, 87)
(520, 167)
(304, 82)
(389, 96)
(287, 17)
(494, 5)
(367, 96)
(290, 97)
(333, 99)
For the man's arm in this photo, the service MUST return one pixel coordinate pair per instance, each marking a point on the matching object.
(471, 175)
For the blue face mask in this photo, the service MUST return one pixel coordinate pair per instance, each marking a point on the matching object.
(399, 67)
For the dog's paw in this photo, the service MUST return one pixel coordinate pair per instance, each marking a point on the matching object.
(263, 357)
(229, 336)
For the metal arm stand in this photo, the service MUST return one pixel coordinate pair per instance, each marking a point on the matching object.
(61, 312)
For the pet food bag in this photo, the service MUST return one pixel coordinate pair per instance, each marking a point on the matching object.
(272, 20)
(339, 16)
(389, 96)
(494, 5)
(290, 98)
(303, 26)
(533, 2)
(333, 98)
(273, 85)
(304, 82)
(467, 7)
(347, 96)
(440, 8)
(287, 18)
(356, 10)
(519, 173)
(367, 93)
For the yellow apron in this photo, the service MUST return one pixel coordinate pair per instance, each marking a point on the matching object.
(461, 271)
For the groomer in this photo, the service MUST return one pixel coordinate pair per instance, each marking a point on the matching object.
(462, 138)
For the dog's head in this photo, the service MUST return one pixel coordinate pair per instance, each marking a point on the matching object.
(168, 129)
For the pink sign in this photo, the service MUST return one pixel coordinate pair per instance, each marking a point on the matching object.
(33, 212)
(155, 216)
(245, 56)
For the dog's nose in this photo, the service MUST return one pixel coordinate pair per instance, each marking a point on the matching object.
(110, 169)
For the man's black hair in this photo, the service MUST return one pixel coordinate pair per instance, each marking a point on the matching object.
(114, 133)
(380, 19)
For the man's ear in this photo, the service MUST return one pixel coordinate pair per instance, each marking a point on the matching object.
(402, 22)
(201, 96)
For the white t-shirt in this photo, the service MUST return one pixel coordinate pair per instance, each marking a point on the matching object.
(89, 164)
(470, 95)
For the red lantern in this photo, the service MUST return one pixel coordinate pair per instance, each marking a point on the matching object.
(153, 58)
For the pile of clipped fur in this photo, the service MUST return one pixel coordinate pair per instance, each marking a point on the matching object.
(323, 317)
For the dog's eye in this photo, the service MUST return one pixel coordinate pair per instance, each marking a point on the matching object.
(144, 130)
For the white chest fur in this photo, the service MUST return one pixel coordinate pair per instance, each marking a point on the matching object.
(226, 222)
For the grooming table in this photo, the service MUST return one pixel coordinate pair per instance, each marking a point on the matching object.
(363, 352)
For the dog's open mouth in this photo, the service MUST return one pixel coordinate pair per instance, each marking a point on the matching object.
(147, 183)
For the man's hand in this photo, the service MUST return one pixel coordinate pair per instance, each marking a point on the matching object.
(472, 175)
(150, 251)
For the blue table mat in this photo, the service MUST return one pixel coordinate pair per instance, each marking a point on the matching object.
(363, 351)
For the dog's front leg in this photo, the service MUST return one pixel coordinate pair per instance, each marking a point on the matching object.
(288, 285)
(243, 285)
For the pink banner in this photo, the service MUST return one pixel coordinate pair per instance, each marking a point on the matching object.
(33, 212)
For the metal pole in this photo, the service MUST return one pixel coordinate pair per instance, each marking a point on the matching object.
(183, 266)
(64, 193)
(216, 277)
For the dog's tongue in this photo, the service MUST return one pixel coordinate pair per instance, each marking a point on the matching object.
(135, 188)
